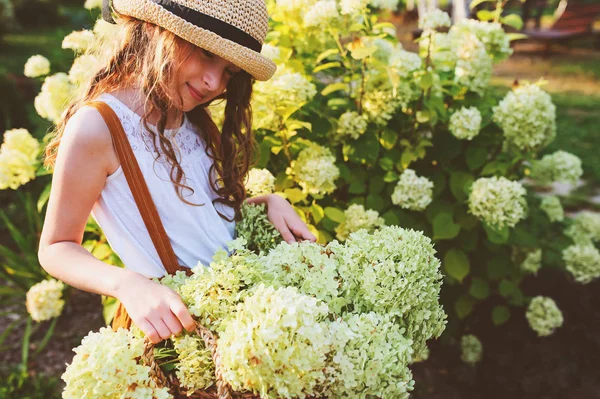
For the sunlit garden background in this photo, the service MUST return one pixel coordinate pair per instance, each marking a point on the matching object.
(468, 131)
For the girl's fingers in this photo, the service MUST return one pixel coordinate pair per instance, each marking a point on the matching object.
(184, 316)
(161, 328)
(286, 234)
(301, 230)
(149, 330)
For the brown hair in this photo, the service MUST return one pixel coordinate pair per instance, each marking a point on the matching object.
(149, 57)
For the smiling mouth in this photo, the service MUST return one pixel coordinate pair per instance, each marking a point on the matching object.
(197, 96)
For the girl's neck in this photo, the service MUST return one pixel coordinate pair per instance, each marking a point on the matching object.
(134, 100)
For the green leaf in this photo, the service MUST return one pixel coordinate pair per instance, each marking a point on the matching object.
(8, 329)
(511, 291)
(460, 182)
(456, 263)
(44, 196)
(317, 212)
(390, 176)
(516, 36)
(388, 139)
(362, 52)
(25, 345)
(334, 87)
(386, 163)
(336, 103)
(109, 305)
(375, 202)
(46, 338)
(102, 251)
(335, 214)
(476, 156)
(423, 116)
(500, 315)
(497, 268)
(328, 65)
(480, 288)
(326, 54)
(513, 20)
(294, 195)
(391, 219)
(357, 187)
(444, 227)
(365, 150)
(485, 15)
(463, 306)
(497, 236)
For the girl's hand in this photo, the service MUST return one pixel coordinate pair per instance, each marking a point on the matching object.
(284, 218)
(156, 309)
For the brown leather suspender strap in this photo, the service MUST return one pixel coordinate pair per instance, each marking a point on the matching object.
(139, 189)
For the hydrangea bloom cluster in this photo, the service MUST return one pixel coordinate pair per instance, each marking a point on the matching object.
(18, 158)
(434, 19)
(36, 66)
(543, 315)
(442, 52)
(498, 201)
(259, 336)
(308, 267)
(394, 271)
(560, 166)
(256, 229)
(195, 369)
(54, 96)
(83, 68)
(315, 170)
(552, 207)
(371, 336)
(323, 12)
(403, 62)
(583, 262)
(391, 5)
(260, 181)
(465, 123)
(585, 228)
(380, 106)
(78, 41)
(473, 64)
(491, 34)
(472, 349)
(44, 300)
(353, 7)
(412, 192)
(105, 366)
(356, 218)
(527, 116)
(91, 4)
(352, 125)
(532, 262)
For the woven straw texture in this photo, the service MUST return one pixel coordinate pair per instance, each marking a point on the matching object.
(248, 15)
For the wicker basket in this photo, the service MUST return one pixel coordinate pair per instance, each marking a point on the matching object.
(220, 390)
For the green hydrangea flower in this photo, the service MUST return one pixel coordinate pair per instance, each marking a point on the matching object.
(583, 262)
(472, 349)
(557, 167)
(544, 316)
(553, 208)
(256, 228)
(499, 202)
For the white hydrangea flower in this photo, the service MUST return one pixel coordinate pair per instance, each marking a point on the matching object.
(260, 181)
(394, 271)
(491, 34)
(544, 316)
(290, 5)
(314, 169)
(353, 7)
(36, 66)
(22, 141)
(532, 262)
(380, 106)
(286, 88)
(105, 366)
(323, 12)
(498, 202)
(391, 5)
(351, 124)
(106, 30)
(83, 69)
(358, 337)
(412, 192)
(471, 348)
(271, 52)
(527, 116)
(404, 62)
(78, 41)
(553, 208)
(585, 228)
(384, 47)
(434, 19)
(54, 96)
(195, 367)
(465, 123)
(44, 300)
(15, 170)
(443, 55)
(583, 262)
(91, 4)
(473, 64)
(356, 218)
(308, 267)
(560, 166)
(259, 336)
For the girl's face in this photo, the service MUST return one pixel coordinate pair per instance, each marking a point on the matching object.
(203, 76)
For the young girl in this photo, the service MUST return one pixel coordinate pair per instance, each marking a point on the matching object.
(176, 57)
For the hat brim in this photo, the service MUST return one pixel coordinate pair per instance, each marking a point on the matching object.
(256, 64)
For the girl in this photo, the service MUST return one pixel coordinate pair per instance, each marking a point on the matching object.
(175, 58)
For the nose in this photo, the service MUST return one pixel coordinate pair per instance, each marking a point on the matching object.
(211, 77)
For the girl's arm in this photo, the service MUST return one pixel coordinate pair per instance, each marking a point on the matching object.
(284, 218)
(82, 164)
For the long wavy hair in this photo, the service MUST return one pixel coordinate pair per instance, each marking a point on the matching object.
(150, 57)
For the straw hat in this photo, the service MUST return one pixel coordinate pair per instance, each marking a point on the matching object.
(232, 29)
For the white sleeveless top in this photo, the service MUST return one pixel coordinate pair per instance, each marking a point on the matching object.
(195, 232)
